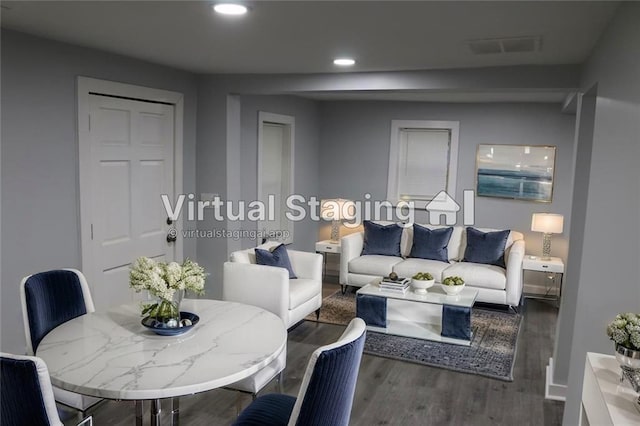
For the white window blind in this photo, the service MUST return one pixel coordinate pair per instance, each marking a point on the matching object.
(423, 163)
(423, 160)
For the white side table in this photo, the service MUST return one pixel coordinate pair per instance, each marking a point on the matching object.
(325, 247)
(605, 400)
(554, 268)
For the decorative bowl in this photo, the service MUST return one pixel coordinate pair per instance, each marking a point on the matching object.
(162, 329)
(452, 290)
(421, 286)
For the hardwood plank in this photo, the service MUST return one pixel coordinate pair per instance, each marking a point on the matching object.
(391, 392)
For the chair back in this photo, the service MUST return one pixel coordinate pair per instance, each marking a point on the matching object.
(27, 395)
(329, 383)
(50, 299)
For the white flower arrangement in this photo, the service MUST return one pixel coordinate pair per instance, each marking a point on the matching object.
(162, 280)
(625, 330)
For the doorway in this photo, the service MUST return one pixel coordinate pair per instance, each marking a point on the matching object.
(276, 135)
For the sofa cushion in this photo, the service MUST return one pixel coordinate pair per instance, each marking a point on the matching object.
(513, 236)
(430, 243)
(302, 290)
(278, 257)
(381, 240)
(486, 247)
(410, 267)
(373, 265)
(478, 275)
(453, 248)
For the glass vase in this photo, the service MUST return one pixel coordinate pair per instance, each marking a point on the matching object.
(629, 359)
(168, 311)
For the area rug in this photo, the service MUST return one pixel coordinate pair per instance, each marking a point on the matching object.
(491, 354)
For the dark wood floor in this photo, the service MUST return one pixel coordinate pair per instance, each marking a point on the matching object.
(392, 392)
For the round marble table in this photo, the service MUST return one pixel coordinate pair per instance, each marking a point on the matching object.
(111, 355)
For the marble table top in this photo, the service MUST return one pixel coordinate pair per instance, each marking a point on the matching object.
(111, 355)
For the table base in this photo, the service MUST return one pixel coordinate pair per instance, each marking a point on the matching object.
(155, 410)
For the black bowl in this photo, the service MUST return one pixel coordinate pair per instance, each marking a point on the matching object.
(162, 329)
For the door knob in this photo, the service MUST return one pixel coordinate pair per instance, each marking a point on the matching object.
(172, 236)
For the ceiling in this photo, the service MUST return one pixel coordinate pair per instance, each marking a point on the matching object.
(551, 96)
(304, 36)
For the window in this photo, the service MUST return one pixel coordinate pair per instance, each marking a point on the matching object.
(423, 160)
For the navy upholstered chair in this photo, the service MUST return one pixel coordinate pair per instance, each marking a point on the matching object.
(27, 396)
(327, 390)
(48, 300)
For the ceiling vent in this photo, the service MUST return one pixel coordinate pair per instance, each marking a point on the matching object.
(505, 45)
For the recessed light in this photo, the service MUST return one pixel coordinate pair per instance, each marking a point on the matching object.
(344, 62)
(230, 9)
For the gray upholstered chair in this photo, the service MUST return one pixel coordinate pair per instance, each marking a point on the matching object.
(49, 299)
(327, 389)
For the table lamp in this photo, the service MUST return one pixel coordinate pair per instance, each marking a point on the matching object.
(336, 210)
(547, 223)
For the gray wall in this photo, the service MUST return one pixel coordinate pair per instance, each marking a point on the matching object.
(211, 177)
(610, 267)
(583, 149)
(306, 150)
(40, 204)
(355, 154)
(219, 147)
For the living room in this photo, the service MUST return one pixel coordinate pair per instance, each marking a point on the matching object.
(342, 124)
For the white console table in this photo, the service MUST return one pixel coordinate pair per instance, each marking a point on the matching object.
(606, 401)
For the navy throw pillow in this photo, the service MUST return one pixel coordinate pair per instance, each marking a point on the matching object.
(381, 239)
(431, 243)
(277, 257)
(486, 247)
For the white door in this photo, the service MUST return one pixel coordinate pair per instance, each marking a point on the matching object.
(275, 172)
(132, 165)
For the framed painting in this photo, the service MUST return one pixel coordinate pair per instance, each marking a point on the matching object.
(518, 172)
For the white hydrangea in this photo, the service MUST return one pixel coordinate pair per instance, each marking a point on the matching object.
(163, 279)
(625, 330)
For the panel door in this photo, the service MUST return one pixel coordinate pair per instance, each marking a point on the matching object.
(132, 150)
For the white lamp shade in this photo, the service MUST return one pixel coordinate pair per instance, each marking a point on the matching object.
(549, 223)
(337, 209)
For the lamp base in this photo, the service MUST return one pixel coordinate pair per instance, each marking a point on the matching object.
(546, 247)
(335, 231)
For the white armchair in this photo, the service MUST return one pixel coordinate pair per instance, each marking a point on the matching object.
(270, 288)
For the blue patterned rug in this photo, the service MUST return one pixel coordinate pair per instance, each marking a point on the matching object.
(491, 354)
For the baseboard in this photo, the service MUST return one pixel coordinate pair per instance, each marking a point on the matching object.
(552, 390)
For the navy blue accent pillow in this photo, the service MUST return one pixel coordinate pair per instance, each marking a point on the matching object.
(486, 247)
(381, 239)
(277, 257)
(431, 243)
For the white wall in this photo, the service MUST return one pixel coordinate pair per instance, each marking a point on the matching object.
(355, 154)
(610, 266)
(40, 204)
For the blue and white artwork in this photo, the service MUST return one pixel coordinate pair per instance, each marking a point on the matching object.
(518, 172)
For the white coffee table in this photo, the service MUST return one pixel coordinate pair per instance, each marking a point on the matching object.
(421, 315)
